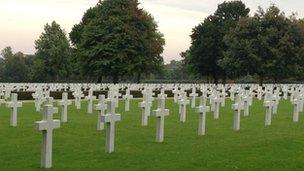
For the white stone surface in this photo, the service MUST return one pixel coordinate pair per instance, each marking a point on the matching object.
(101, 107)
(202, 119)
(160, 114)
(127, 98)
(46, 126)
(183, 102)
(90, 99)
(64, 103)
(14, 104)
(110, 119)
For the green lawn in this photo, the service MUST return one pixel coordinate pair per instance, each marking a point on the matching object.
(77, 145)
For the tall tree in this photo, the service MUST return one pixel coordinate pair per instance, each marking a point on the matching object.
(7, 52)
(268, 44)
(53, 54)
(207, 44)
(117, 38)
(15, 68)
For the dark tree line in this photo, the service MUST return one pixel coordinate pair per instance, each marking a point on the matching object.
(231, 44)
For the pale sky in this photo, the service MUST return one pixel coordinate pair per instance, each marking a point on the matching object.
(22, 21)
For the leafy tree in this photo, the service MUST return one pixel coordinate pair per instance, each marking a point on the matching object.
(268, 44)
(52, 62)
(173, 71)
(15, 68)
(7, 52)
(207, 45)
(117, 38)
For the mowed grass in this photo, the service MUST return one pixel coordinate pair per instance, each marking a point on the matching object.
(77, 145)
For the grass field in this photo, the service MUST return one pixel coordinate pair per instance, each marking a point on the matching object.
(77, 145)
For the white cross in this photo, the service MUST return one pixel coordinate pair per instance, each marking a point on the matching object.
(113, 93)
(14, 104)
(175, 92)
(296, 110)
(90, 99)
(64, 103)
(162, 94)
(78, 95)
(245, 100)
(101, 107)
(146, 106)
(276, 99)
(38, 96)
(203, 99)
(260, 93)
(127, 98)
(183, 106)
(160, 114)
(109, 119)
(232, 93)
(46, 126)
(269, 106)
(237, 107)
(193, 95)
(202, 119)
(217, 101)
(285, 92)
(223, 96)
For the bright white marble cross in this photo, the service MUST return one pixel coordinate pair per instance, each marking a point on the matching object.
(269, 106)
(183, 102)
(217, 101)
(14, 104)
(276, 99)
(245, 100)
(110, 119)
(46, 126)
(90, 99)
(101, 107)
(175, 92)
(260, 93)
(38, 96)
(223, 96)
(295, 110)
(203, 99)
(202, 119)
(78, 95)
(146, 106)
(160, 114)
(237, 107)
(127, 98)
(193, 95)
(64, 103)
(285, 92)
(232, 93)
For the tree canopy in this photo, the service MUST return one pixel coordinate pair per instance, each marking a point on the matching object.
(117, 38)
(207, 45)
(52, 62)
(269, 44)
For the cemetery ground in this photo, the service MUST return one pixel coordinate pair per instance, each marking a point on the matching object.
(77, 145)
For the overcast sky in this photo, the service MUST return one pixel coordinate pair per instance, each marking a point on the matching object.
(22, 21)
